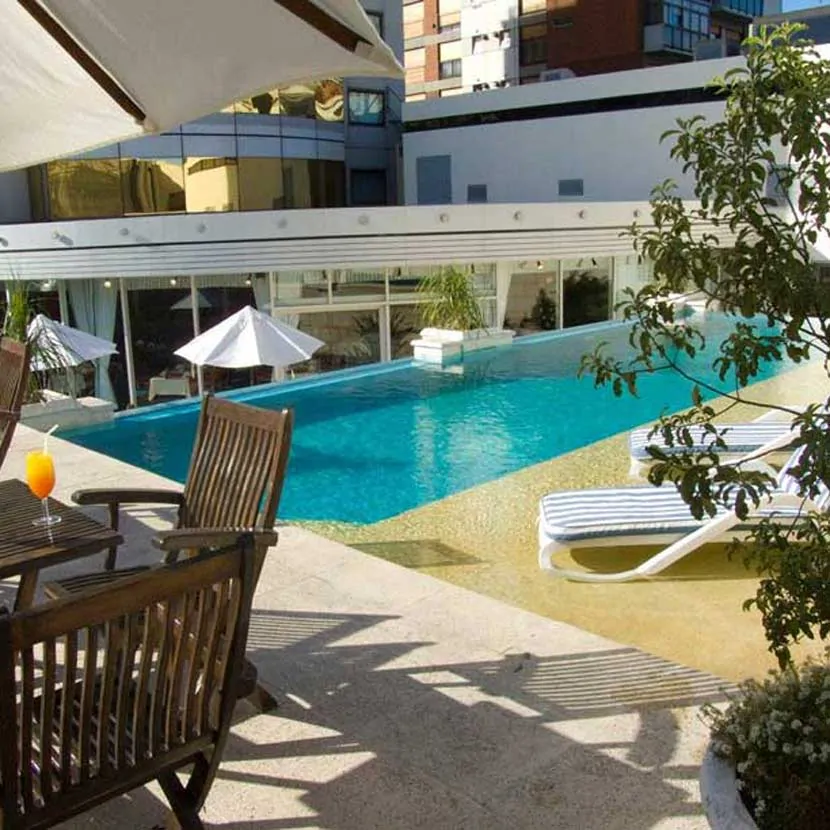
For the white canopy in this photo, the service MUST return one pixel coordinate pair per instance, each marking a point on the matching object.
(250, 338)
(75, 75)
(60, 346)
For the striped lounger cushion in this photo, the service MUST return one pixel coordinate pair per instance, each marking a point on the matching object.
(740, 438)
(571, 516)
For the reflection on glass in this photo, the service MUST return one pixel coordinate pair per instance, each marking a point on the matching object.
(211, 184)
(152, 185)
(353, 286)
(532, 300)
(352, 339)
(297, 182)
(297, 101)
(328, 100)
(310, 183)
(586, 291)
(404, 325)
(301, 287)
(367, 107)
(81, 189)
(261, 184)
(322, 100)
(406, 282)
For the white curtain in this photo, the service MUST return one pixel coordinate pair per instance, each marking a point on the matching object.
(262, 292)
(94, 308)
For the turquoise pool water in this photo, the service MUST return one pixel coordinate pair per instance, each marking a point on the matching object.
(372, 443)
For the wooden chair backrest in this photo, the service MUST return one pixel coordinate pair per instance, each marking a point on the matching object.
(137, 678)
(14, 380)
(237, 467)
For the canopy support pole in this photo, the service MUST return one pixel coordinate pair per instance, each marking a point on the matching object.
(194, 302)
(128, 341)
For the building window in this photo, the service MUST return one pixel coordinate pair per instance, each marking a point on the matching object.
(367, 107)
(413, 20)
(368, 188)
(561, 22)
(449, 69)
(376, 19)
(530, 6)
(476, 193)
(533, 44)
(571, 187)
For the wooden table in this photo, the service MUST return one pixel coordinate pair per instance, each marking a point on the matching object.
(26, 549)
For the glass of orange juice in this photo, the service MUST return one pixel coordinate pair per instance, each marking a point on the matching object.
(40, 476)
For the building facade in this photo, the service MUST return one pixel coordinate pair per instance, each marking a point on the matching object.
(592, 139)
(329, 144)
(457, 46)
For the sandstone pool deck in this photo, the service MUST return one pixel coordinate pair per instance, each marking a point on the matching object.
(485, 539)
(407, 701)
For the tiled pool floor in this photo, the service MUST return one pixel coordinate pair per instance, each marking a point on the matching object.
(484, 539)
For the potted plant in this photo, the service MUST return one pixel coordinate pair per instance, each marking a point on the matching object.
(454, 322)
(761, 177)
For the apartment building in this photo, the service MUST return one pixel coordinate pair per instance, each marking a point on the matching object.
(457, 46)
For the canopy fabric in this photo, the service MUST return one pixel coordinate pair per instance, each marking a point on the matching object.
(77, 75)
(59, 346)
(250, 338)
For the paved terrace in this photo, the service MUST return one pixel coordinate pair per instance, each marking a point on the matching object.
(409, 702)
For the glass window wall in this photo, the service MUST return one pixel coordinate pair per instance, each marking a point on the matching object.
(322, 100)
(349, 286)
(152, 185)
(533, 298)
(98, 188)
(84, 189)
(367, 107)
(586, 291)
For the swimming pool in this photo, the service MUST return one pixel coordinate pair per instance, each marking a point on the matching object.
(372, 443)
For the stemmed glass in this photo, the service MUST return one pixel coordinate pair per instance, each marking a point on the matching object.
(40, 476)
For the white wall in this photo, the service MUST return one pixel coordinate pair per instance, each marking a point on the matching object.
(14, 197)
(617, 154)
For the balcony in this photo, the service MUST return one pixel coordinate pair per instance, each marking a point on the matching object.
(741, 9)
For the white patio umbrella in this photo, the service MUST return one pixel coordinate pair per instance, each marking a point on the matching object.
(61, 347)
(250, 338)
(75, 75)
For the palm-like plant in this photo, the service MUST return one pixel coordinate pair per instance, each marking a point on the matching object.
(451, 301)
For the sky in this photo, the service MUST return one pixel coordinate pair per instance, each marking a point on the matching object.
(792, 5)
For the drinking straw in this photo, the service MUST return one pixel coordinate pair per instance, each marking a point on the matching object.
(46, 439)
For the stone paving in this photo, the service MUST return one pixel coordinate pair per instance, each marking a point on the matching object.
(408, 702)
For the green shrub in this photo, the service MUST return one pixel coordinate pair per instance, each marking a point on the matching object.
(777, 734)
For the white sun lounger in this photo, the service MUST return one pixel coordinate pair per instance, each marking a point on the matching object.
(740, 438)
(648, 515)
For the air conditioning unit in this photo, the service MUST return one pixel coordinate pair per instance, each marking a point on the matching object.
(560, 74)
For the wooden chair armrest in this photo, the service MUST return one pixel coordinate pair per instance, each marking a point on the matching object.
(127, 496)
(172, 541)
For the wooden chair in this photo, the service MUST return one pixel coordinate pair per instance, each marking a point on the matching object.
(234, 482)
(14, 380)
(138, 681)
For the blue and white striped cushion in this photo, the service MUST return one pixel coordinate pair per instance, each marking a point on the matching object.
(740, 438)
(787, 484)
(574, 515)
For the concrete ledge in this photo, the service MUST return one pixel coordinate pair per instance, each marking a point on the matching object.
(65, 411)
(445, 345)
(720, 797)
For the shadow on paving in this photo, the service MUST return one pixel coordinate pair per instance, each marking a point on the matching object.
(587, 740)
